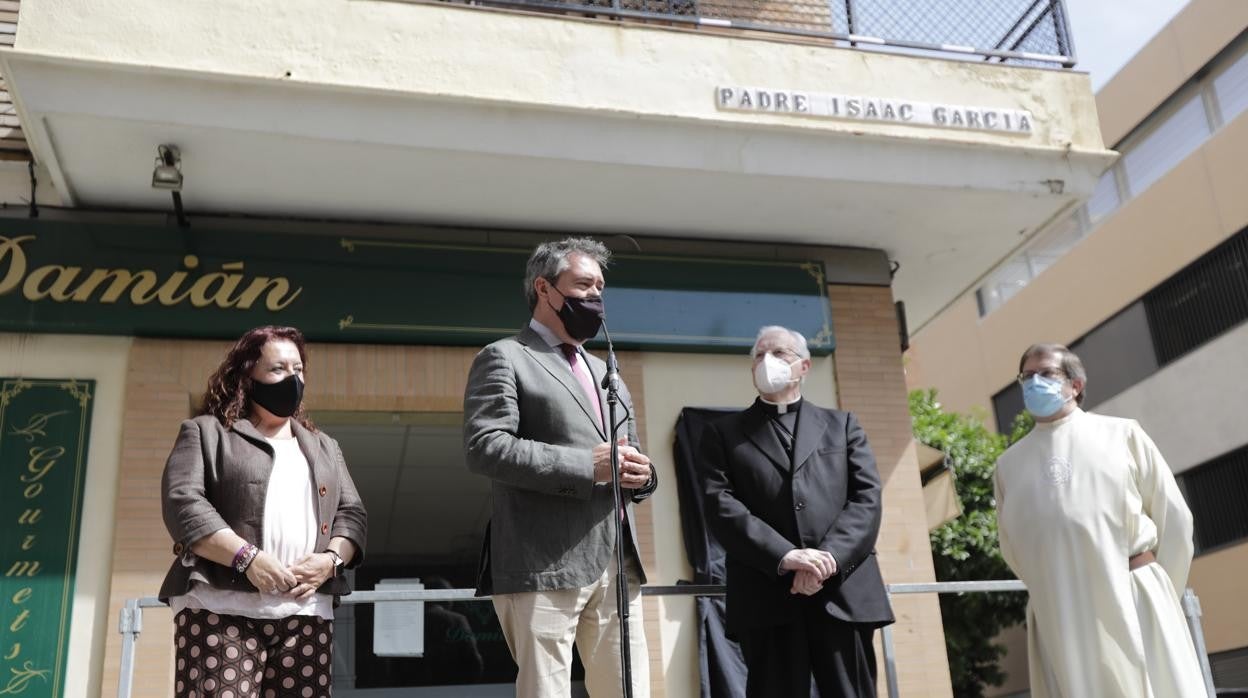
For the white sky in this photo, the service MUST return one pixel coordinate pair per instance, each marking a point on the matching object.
(1108, 33)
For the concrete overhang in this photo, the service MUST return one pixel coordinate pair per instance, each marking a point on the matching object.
(946, 205)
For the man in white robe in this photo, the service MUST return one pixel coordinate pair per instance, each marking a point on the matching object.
(1092, 521)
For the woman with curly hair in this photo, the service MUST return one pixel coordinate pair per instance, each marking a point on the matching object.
(264, 517)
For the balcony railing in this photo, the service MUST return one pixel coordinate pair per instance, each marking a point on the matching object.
(130, 623)
(1031, 32)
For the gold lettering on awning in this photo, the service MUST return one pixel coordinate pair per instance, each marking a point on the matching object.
(69, 284)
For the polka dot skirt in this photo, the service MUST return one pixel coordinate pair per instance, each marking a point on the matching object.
(223, 656)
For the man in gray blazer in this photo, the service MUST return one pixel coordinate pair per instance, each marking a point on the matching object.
(535, 424)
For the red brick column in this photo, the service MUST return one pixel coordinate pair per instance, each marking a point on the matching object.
(871, 383)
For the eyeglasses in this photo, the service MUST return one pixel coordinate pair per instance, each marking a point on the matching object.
(787, 355)
(1048, 373)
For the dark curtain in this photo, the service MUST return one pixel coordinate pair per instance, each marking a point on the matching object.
(722, 669)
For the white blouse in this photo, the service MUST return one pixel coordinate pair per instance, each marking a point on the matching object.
(290, 528)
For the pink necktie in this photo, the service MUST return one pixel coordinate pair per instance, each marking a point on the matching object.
(582, 376)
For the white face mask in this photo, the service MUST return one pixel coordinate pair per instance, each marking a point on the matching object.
(771, 375)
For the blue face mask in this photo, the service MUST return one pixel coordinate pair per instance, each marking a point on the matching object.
(1043, 396)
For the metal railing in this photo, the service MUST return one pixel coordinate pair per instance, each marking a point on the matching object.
(131, 622)
(1189, 601)
(1033, 32)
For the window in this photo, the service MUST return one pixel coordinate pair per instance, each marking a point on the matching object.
(1230, 668)
(1043, 251)
(1205, 299)
(1105, 197)
(1007, 405)
(1192, 307)
(1117, 354)
(1166, 145)
(1003, 284)
(1216, 492)
(426, 519)
(1163, 140)
(1231, 88)
(1053, 244)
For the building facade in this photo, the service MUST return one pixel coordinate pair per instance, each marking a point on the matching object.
(375, 171)
(1148, 283)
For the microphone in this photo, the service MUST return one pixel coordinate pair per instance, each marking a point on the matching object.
(611, 384)
(611, 381)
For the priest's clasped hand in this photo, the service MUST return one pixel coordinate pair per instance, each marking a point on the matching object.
(806, 583)
(812, 567)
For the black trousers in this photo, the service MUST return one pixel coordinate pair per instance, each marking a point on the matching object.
(781, 659)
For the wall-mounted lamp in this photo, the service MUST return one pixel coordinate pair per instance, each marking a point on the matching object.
(168, 171)
(167, 175)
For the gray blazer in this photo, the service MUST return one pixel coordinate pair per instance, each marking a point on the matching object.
(217, 478)
(529, 427)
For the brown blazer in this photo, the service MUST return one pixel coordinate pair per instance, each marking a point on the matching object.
(217, 478)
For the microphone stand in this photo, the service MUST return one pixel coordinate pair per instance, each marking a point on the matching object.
(611, 383)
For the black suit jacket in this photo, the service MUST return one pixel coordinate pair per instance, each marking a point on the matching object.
(760, 505)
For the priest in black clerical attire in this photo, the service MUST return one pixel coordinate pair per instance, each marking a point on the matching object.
(793, 495)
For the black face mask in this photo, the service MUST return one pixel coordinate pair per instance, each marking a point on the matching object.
(581, 317)
(281, 398)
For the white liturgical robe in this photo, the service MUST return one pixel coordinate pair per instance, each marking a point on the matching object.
(1076, 498)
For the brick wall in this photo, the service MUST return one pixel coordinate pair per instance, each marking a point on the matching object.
(631, 372)
(165, 375)
(871, 383)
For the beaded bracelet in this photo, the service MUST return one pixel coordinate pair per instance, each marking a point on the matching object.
(252, 552)
(238, 556)
(244, 557)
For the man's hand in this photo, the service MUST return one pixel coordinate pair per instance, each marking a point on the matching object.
(634, 465)
(816, 562)
(806, 583)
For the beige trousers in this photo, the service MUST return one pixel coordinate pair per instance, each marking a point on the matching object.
(540, 627)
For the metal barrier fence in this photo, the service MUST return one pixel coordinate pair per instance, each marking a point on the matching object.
(131, 622)
(1027, 31)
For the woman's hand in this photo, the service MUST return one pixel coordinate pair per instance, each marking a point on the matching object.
(269, 575)
(311, 572)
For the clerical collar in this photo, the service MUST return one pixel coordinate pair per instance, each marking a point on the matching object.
(779, 407)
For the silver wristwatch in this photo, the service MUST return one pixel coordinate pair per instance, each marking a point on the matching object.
(339, 563)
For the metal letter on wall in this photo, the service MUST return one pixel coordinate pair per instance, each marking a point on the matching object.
(44, 426)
